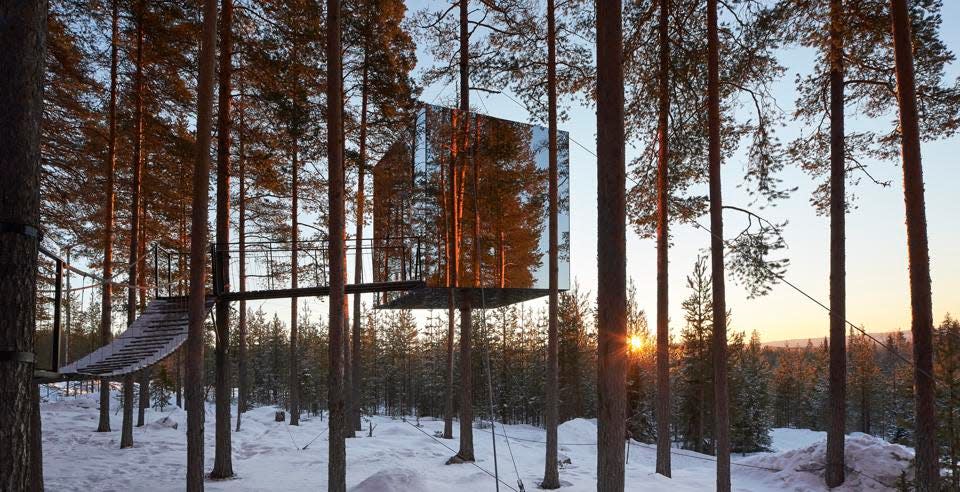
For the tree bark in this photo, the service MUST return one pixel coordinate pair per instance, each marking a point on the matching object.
(36, 442)
(720, 403)
(837, 409)
(357, 386)
(466, 377)
(242, 240)
(453, 267)
(126, 426)
(294, 274)
(337, 466)
(22, 50)
(925, 433)
(144, 395)
(551, 472)
(126, 438)
(222, 456)
(179, 378)
(663, 245)
(198, 249)
(348, 404)
(106, 299)
(465, 454)
(611, 249)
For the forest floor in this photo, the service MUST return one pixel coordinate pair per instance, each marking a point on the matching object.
(269, 455)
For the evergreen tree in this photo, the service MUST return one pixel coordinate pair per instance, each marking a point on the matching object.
(751, 412)
(694, 392)
(947, 367)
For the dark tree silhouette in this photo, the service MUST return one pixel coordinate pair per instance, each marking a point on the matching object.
(837, 410)
(722, 419)
(22, 47)
(925, 435)
(223, 460)
(106, 299)
(337, 465)
(663, 244)
(198, 248)
(611, 249)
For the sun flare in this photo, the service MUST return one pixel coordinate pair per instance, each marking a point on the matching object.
(635, 343)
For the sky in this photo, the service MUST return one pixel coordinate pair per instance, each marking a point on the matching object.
(877, 277)
(878, 297)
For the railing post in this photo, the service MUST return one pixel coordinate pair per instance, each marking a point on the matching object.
(419, 265)
(57, 300)
(169, 275)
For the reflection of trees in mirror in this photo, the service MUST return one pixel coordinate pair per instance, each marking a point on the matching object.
(490, 211)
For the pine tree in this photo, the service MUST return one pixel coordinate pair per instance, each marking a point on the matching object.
(22, 49)
(864, 376)
(198, 249)
(947, 371)
(751, 413)
(694, 393)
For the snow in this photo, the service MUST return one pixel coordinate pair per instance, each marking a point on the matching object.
(401, 457)
(785, 439)
(876, 464)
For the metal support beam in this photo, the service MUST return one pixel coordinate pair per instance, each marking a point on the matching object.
(323, 291)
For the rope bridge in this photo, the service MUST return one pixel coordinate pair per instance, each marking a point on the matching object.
(157, 333)
(255, 271)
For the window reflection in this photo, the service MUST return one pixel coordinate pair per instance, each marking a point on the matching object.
(487, 195)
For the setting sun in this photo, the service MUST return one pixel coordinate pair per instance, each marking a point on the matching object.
(635, 343)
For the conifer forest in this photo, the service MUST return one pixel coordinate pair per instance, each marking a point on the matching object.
(468, 245)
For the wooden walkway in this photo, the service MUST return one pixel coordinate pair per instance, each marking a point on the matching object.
(157, 332)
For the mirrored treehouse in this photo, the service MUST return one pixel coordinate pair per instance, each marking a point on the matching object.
(488, 196)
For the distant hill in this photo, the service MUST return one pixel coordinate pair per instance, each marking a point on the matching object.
(802, 342)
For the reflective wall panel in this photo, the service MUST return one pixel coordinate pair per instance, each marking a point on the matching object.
(487, 194)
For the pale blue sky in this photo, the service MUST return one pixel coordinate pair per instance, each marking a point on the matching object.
(877, 281)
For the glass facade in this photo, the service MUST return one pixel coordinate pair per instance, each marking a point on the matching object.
(487, 194)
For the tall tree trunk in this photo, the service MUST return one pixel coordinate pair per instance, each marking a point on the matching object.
(242, 240)
(663, 245)
(466, 375)
(142, 253)
(126, 426)
(36, 442)
(837, 409)
(611, 249)
(453, 267)
(348, 404)
(294, 274)
(720, 404)
(465, 454)
(357, 386)
(925, 433)
(222, 455)
(337, 465)
(106, 299)
(198, 248)
(23, 40)
(551, 472)
(144, 395)
(179, 377)
(126, 437)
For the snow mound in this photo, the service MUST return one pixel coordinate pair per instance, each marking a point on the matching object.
(872, 464)
(785, 438)
(392, 480)
(577, 431)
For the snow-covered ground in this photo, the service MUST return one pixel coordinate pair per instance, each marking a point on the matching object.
(268, 455)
